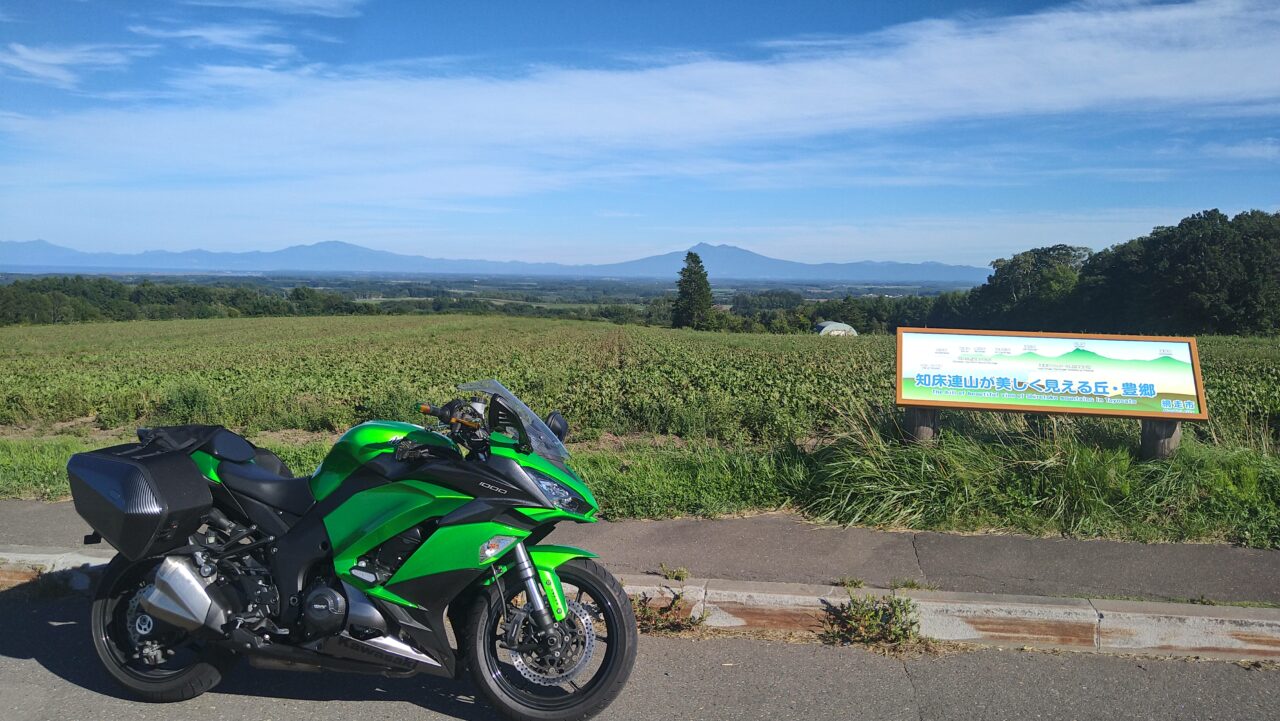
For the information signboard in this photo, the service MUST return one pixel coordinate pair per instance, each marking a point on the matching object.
(1129, 376)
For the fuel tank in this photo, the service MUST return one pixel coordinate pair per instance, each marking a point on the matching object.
(365, 442)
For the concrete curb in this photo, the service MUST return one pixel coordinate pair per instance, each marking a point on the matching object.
(1172, 629)
(75, 569)
(1168, 629)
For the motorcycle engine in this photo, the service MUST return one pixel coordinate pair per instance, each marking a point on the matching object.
(324, 612)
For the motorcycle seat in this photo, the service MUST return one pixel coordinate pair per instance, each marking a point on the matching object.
(292, 495)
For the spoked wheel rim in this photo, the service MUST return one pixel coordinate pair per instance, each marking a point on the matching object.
(125, 635)
(583, 594)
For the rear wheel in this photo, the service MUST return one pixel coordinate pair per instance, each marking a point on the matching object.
(153, 662)
(575, 677)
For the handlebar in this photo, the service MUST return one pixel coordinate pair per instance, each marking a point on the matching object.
(447, 414)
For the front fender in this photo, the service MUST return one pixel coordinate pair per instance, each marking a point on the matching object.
(546, 559)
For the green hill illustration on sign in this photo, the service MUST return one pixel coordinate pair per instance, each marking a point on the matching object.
(1062, 373)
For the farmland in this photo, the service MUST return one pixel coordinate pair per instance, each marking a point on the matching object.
(664, 422)
(328, 373)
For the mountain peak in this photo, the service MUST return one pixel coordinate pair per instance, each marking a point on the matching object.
(335, 244)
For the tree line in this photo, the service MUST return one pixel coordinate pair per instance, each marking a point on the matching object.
(78, 299)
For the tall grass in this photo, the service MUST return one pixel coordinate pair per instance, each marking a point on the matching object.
(643, 480)
(37, 468)
(1078, 477)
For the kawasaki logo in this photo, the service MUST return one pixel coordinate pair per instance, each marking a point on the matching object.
(388, 659)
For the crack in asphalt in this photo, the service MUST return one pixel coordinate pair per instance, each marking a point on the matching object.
(915, 692)
(916, 548)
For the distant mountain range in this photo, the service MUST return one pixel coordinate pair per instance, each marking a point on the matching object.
(722, 262)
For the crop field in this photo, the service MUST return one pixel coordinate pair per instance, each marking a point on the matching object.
(330, 372)
(327, 373)
(664, 422)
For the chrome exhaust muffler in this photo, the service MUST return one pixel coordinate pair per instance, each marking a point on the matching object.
(179, 596)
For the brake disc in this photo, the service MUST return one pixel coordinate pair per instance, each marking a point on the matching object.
(543, 666)
(139, 623)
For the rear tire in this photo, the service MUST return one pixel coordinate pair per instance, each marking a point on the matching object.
(499, 685)
(155, 685)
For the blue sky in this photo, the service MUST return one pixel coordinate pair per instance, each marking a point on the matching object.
(600, 131)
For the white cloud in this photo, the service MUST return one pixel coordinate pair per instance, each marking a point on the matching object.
(249, 38)
(1125, 58)
(61, 65)
(1264, 149)
(323, 8)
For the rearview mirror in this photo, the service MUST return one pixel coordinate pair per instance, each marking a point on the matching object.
(558, 425)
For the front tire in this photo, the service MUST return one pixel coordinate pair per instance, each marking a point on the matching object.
(508, 682)
(179, 678)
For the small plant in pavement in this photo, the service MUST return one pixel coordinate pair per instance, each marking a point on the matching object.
(678, 573)
(850, 582)
(913, 584)
(872, 621)
(653, 617)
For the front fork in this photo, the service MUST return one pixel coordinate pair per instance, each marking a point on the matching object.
(535, 568)
(527, 574)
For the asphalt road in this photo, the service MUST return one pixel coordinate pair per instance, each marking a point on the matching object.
(48, 671)
(781, 547)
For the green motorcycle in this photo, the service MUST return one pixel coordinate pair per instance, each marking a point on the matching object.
(409, 550)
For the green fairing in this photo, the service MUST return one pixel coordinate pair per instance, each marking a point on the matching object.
(369, 518)
(545, 515)
(454, 548)
(538, 463)
(207, 464)
(380, 592)
(362, 444)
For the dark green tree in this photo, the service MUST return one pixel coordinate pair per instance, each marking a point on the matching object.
(1030, 290)
(949, 310)
(692, 308)
(1207, 274)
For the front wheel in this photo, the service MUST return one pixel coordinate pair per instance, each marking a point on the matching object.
(574, 676)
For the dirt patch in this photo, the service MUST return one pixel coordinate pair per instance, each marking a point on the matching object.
(85, 428)
(16, 576)
(614, 442)
(293, 437)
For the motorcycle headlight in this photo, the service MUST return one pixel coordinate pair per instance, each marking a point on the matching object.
(556, 492)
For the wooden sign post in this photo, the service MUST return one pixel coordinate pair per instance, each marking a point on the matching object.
(922, 424)
(1160, 439)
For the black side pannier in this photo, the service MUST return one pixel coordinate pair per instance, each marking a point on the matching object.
(145, 499)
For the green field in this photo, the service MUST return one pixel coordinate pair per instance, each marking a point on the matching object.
(327, 373)
(664, 422)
